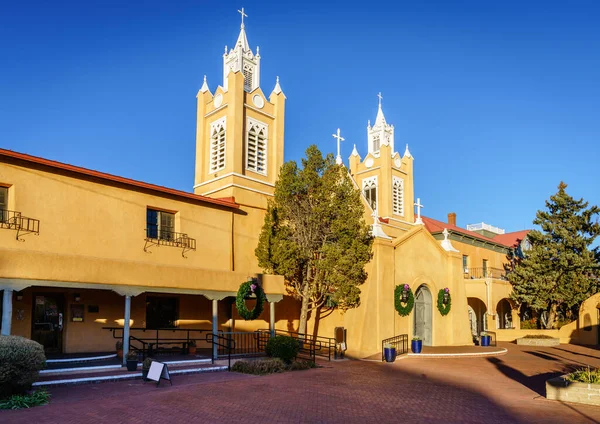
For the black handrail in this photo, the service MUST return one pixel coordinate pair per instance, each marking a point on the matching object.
(399, 342)
(317, 345)
(223, 342)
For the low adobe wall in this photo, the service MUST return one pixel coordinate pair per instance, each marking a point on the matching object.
(513, 334)
(560, 389)
(538, 342)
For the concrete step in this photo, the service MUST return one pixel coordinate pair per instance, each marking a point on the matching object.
(96, 376)
(79, 368)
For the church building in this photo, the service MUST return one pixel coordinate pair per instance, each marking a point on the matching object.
(88, 257)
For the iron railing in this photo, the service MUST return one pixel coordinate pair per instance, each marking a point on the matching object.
(160, 237)
(473, 273)
(14, 220)
(223, 342)
(241, 343)
(399, 342)
(312, 346)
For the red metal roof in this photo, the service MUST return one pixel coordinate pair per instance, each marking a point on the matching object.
(114, 178)
(506, 240)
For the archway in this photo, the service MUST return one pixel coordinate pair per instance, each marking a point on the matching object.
(423, 315)
(477, 312)
(504, 314)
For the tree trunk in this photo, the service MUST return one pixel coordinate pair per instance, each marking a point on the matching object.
(552, 316)
(303, 316)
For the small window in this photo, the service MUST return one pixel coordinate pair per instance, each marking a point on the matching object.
(398, 196)
(485, 268)
(3, 197)
(161, 312)
(160, 225)
(466, 263)
(370, 191)
(247, 78)
(376, 143)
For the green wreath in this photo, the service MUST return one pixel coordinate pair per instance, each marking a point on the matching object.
(245, 290)
(444, 309)
(403, 308)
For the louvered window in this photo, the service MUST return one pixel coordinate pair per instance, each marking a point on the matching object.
(376, 143)
(398, 196)
(247, 78)
(217, 145)
(256, 147)
(370, 191)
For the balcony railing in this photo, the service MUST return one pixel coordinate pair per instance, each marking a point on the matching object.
(160, 237)
(473, 273)
(14, 220)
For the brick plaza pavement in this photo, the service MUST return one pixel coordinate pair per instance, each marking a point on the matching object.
(500, 389)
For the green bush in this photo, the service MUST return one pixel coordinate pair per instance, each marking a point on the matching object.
(538, 336)
(37, 398)
(259, 366)
(530, 324)
(302, 365)
(21, 360)
(283, 347)
(584, 375)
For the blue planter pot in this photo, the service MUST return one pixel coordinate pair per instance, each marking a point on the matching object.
(389, 353)
(485, 340)
(416, 346)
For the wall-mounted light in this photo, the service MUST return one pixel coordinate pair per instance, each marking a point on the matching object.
(76, 297)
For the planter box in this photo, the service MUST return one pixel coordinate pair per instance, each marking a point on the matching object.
(560, 389)
(538, 342)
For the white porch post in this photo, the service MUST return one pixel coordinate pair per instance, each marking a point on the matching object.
(272, 318)
(215, 324)
(126, 328)
(7, 311)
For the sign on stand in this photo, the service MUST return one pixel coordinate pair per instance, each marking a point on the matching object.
(159, 371)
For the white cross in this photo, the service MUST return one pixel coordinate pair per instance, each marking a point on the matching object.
(419, 206)
(380, 97)
(339, 138)
(241, 12)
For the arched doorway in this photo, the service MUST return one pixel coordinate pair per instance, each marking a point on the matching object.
(477, 315)
(504, 314)
(423, 315)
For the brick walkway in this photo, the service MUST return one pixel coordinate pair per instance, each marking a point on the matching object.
(500, 389)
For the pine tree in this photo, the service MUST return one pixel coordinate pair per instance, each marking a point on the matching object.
(315, 236)
(561, 269)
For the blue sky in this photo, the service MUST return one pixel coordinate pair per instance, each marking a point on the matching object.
(498, 101)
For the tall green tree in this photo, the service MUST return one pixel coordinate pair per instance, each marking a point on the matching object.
(561, 269)
(315, 236)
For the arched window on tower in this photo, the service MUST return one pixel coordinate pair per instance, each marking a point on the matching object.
(247, 78)
(376, 143)
(398, 196)
(370, 191)
(217, 145)
(256, 147)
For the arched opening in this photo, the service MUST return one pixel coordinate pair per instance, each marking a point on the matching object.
(423, 315)
(477, 315)
(504, 314)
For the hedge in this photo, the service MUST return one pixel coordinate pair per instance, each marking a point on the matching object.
(21, 360)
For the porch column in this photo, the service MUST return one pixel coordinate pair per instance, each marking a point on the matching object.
(126, 328)
(7, 311)
(215, 324)
(272, 318)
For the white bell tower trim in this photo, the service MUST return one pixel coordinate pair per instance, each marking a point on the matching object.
(241, 59)
(381, 133)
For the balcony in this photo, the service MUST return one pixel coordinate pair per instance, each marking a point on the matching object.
(474, 273)
(160, 237)
(13, 220)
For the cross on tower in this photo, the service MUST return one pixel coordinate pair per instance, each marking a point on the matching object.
(419, 206)
(339, 138)
(380, 97)
(241, 12)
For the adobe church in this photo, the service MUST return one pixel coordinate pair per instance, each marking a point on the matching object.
(87, 257)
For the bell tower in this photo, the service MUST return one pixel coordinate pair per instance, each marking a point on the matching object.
(239, 133)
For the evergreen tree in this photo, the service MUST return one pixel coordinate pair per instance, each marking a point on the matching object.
(315, 236)
(561, 269)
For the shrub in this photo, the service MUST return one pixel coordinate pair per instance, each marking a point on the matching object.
(538, 336)
(119, 345)
(131, 355)
(146, 364)
(585, 375)
(21, 360)
(283, 347)
(530, 324)
(259, 366)
(37, 398)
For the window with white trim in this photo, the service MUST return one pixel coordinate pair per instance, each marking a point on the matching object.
(370, 191)
(247, 78)
(217, 145)
(398, 196)
(256, 146)
(376, 143)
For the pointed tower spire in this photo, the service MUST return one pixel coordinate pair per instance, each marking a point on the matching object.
(242, 59)
(354, 151)
(380, 133)
(242, 39)
(204, 87)
(407, 152)
(277, 88)
(380, 119)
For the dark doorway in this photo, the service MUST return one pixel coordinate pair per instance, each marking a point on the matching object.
(47, 321)
(161, 312)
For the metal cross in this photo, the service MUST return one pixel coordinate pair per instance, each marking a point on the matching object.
(339, 138)
(241, 12)
(380, 97)
(419, 206)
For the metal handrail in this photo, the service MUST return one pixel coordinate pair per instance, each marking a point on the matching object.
(399, 342)
(230, 345)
